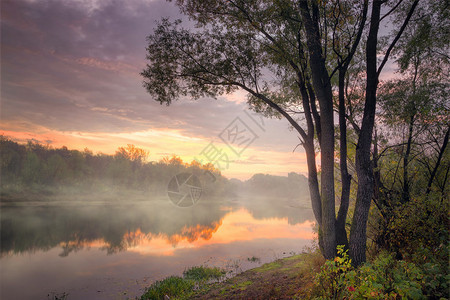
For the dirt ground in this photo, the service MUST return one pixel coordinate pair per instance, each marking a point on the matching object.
(288, 278)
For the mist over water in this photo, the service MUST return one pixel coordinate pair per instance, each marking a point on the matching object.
(101, 249)
(105, 227)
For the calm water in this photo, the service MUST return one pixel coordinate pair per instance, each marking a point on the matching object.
(114, 250)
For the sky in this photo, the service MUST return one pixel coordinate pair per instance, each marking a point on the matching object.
(70, 76)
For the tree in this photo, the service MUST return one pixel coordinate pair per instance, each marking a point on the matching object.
(243, 44)
(413, 159)
(132, 153)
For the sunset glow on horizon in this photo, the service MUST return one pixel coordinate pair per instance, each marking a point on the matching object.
(161, 143)
(71, 79)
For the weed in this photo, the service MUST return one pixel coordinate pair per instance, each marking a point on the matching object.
(254, 259)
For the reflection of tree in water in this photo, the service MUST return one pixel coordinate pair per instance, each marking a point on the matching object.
(72, 246)
(191, 234)
(265, 208)
(269, 196)
(120, 226)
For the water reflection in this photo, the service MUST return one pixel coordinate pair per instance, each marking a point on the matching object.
(63, 247)
(116, 227)
(238, 225)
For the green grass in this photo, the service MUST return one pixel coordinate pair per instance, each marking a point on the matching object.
(201, 273)
(242, 285)
(177, 287)
(294, 257)
(173, 286)
(268, 267)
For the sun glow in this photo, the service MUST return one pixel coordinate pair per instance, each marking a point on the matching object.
(162, 142)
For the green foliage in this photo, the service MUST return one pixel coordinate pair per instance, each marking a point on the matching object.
(418, 232)
(57, 169)
(436, 278)
(181, 287)
(201, 273)
(31, 168)
(331, 281)
(384, 278)
(35, 168)
(11, 159)
(420, 223)
(173, 286)
(176, 53)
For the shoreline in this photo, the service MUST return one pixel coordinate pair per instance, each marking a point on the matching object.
(286, 278)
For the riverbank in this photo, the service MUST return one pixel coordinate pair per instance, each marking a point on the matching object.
(287, 278)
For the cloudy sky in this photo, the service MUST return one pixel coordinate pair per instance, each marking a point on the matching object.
(70, 76)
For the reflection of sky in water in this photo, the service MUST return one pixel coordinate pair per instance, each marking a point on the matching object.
(85, 271)
(235, 226)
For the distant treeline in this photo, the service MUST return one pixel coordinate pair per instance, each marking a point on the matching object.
(35, 165)
(294, 186)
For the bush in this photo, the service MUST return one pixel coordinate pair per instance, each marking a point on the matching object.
(384, 278)
(434, 265)
(417, 231)
(418, 224)
(331, 281)
(387, 278)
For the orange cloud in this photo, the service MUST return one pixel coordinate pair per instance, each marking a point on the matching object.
(161, 142)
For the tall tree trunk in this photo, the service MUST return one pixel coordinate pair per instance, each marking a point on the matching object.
(364, 168)
(377, 196)
(313, 184)
(322, 88)
(314, 111)
(341, 234)
(308, 98)
(405, 190)
(346, 178)
(308, 145)
(438, 162)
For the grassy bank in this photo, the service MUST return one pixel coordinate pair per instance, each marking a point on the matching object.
(309, 276)
(287, 278)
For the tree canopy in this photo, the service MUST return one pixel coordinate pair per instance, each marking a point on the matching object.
(304, 61)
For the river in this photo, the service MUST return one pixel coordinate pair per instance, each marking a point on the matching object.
(114, 249)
